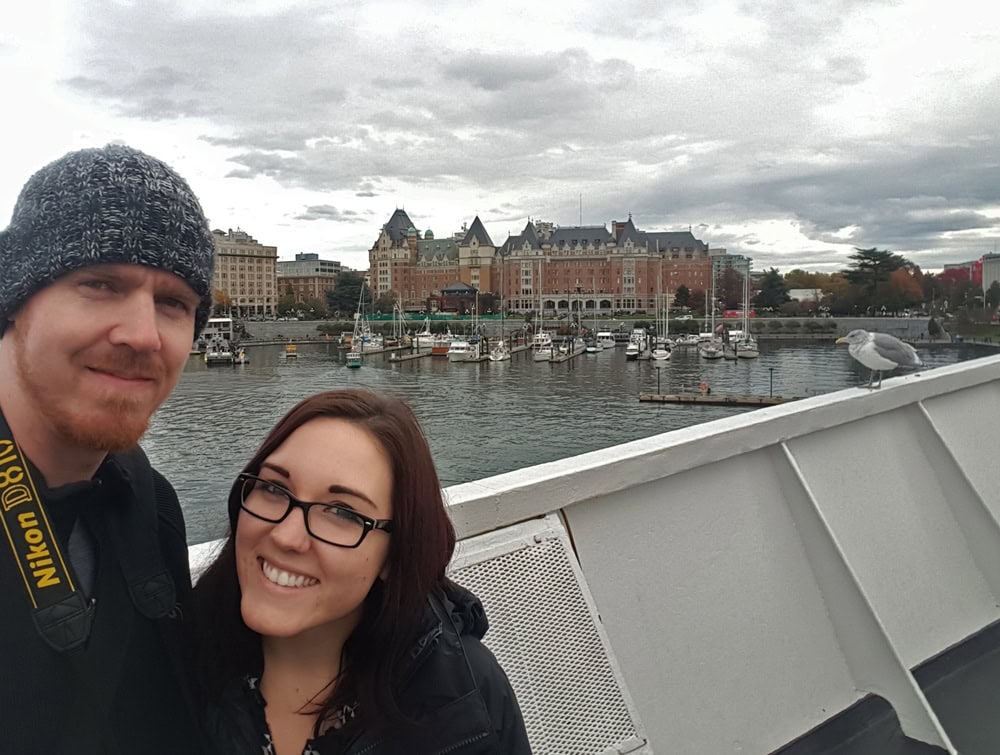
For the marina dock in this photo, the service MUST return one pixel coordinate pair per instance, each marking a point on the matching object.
(715, 399)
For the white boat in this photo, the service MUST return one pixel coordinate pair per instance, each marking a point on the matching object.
(541, 347)
(710, 349)
(747, 346)
(354, 358)
(500, 352)
(423, 338)
(637, 347)
(660, 354)
(241, 358)
(606, 339)
(459, 350)
(593, 347)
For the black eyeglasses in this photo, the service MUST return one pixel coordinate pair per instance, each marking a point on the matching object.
(331, 523)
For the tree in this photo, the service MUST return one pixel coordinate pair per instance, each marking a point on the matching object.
(993, 295)
(221, 301)
(729, 288)
(801, 279)
(385, 302)
(343, 297)
(904, 290)
(286, 305)
(772, 293)
(871, 267)
(682, 296)
(314, 308)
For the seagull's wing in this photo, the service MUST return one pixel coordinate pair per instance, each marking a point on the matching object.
(896, 351)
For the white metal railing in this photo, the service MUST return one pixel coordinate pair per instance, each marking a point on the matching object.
(757, 574)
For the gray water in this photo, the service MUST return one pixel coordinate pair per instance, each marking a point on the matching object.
(480, 419)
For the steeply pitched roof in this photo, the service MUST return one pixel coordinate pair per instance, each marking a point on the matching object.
(437, 249)
(398, 226)
(477, 232)
(581, 234)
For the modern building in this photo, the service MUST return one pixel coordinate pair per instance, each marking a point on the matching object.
(565, 269)
(307, 276)
(245, 274)
(990, 270)
(722, 261)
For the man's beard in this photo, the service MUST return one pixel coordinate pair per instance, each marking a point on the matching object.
(118, 422)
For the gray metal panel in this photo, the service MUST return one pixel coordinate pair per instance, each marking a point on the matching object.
(546, 634)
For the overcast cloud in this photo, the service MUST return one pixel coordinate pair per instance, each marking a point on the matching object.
(789, 132)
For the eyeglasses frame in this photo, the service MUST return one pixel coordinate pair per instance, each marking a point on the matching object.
(295, 503)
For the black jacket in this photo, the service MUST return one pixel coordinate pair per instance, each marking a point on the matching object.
(456, 692)
(124, 691)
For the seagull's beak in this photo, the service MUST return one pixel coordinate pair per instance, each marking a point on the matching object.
(841, 340)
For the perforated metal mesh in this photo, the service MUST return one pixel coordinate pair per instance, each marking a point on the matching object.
(542, 630)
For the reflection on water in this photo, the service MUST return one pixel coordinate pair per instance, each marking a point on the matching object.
(480, 419)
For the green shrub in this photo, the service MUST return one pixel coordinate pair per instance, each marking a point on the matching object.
(793, 325)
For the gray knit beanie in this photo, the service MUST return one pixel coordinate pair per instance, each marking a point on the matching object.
(109, 205)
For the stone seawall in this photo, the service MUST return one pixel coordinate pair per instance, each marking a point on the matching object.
(907, 328)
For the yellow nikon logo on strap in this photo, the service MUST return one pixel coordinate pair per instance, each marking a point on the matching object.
(28, 532)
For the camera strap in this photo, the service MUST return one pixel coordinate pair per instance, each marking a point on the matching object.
(61, 613)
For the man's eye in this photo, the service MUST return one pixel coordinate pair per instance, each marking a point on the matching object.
(97, 285)
(179, 304)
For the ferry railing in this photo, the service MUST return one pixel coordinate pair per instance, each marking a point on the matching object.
(752, 577)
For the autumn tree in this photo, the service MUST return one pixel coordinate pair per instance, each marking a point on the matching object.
(904, 290)
(221, 301)
(801, 279)
(729, 288)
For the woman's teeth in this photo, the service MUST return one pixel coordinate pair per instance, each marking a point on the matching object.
(284, 578)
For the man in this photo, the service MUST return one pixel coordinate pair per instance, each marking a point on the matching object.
(105, 280)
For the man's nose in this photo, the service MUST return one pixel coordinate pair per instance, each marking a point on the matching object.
(138, 325)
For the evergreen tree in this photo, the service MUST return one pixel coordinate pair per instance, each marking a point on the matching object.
(343, 297)
(871, 267)
(772, 293)
(682, 296)
(993, 295)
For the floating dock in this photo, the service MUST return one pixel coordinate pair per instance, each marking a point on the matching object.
(715, 399)
(397, 357)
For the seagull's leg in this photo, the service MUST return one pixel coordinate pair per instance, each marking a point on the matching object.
(871, 380)
(879, 379)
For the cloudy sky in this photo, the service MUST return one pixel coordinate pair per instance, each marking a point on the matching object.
(787, 131)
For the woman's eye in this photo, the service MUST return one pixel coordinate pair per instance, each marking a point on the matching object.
(340, 512)
(273, 490)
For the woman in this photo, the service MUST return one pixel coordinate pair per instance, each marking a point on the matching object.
(327, 625)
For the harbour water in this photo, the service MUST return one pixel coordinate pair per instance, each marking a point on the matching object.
(480, 419)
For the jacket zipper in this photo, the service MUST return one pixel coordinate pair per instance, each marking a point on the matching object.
(463, 743)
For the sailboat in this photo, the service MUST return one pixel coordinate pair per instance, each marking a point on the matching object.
(594, 345)
(747, 348)
(500, 352)
(541, 344)
(357, 340)
(712, 348)
(661, 343)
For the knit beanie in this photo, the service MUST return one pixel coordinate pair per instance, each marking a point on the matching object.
(110, 205)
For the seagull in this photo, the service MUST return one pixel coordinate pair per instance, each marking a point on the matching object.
(879, 352)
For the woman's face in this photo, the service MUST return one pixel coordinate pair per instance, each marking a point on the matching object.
(291, 582)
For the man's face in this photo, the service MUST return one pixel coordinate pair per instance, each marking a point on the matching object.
(100, 349)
